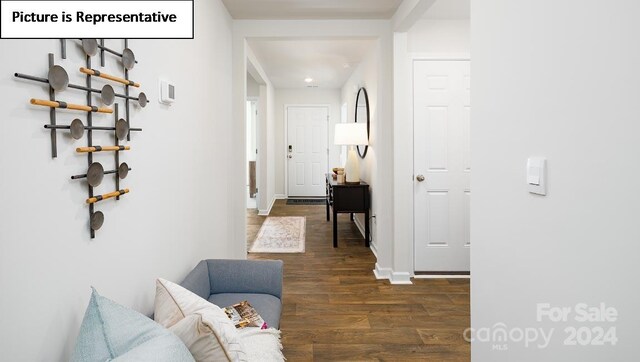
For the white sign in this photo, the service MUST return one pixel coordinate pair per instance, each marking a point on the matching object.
(171, 19)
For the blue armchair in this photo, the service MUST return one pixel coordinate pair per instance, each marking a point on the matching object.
(226, 282)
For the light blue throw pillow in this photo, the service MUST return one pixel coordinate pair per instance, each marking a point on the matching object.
(112, 332)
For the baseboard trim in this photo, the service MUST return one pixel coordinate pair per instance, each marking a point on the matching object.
(359, 225)
(372, 244)
(442, 276)
(268, 210)
(280, 196)
(374, 249)
(382, 273)
(400, 278)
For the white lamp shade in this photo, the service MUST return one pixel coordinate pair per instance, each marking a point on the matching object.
(351, 134)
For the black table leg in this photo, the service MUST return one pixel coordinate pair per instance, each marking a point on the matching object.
(335, 228)
(351, 216)
(327, 209)
(366, 228)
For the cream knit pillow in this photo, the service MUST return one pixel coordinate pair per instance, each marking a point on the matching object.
(203, 327)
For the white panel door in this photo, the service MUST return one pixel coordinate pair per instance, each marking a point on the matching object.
(307, 152)
(442, 154)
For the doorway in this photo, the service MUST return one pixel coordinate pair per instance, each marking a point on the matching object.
(307, 152)
(442, 165)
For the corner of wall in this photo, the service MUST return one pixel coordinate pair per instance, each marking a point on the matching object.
(267, 211)
(382, 273)
(400, 278)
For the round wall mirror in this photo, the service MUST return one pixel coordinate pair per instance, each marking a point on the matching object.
(362, 115)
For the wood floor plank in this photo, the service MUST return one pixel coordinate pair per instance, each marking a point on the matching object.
(442, 336)
(305, 298)
(389, 352)
(417, 289)
(335, 310)
(459, 298)
(438, 298)
(418, 321)
(298, 352)
(352, 321)
(447, 310)
(347, 309)
(344, 336)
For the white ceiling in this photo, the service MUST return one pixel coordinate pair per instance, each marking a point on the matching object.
(312, 9)
(329, 62)
(449, 10)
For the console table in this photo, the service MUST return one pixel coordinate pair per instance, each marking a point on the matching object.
(347, 198)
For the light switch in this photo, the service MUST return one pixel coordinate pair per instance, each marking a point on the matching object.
(536, 175)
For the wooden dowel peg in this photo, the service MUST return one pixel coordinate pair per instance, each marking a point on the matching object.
(98, 73)
(93, 200)
(76, 107)
(102, 149)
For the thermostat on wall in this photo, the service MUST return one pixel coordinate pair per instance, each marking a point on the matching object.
(167, 92)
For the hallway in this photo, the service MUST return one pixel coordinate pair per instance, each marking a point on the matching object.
(335, 309)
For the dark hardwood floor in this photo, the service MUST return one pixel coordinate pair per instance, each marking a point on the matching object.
(335, 309)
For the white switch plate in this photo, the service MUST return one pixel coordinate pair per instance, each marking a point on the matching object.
(537, 175)
(167, 92)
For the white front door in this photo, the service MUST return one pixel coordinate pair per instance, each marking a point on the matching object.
(442, 154)
(307, 152)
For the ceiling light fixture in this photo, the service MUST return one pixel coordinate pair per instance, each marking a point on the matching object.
(308, 79)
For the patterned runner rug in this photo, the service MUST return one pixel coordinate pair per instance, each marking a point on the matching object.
(281, 235)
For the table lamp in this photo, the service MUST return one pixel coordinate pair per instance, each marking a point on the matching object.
(351, 134)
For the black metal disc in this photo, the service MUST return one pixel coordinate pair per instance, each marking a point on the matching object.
(95, 174)
(108, 95)
(122, 129)
(76, 129)
(128, 58)
(58, 78)
(123, 170)
(97, 219)
(142, 99)
(90, 46)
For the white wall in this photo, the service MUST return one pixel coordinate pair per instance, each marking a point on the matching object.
(175, 215)
(267, 149)
(365, 75)
(266, 135)
(565, 89)
(303, 96)
(439, 37)
(252, 128)
(253, 95)
(253, 88)
(368, 74)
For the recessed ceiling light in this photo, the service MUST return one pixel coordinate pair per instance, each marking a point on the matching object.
(308, 79)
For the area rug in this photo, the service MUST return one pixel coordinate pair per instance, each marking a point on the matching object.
(306, 201)
(281, 235)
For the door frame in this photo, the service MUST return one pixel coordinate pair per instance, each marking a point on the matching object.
(286, 137)
(413, 59)
(255, 100)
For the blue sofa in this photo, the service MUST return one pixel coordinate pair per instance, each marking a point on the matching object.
(226, 282)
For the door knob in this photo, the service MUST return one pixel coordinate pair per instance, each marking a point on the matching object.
(290, 156)
(420, 178)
